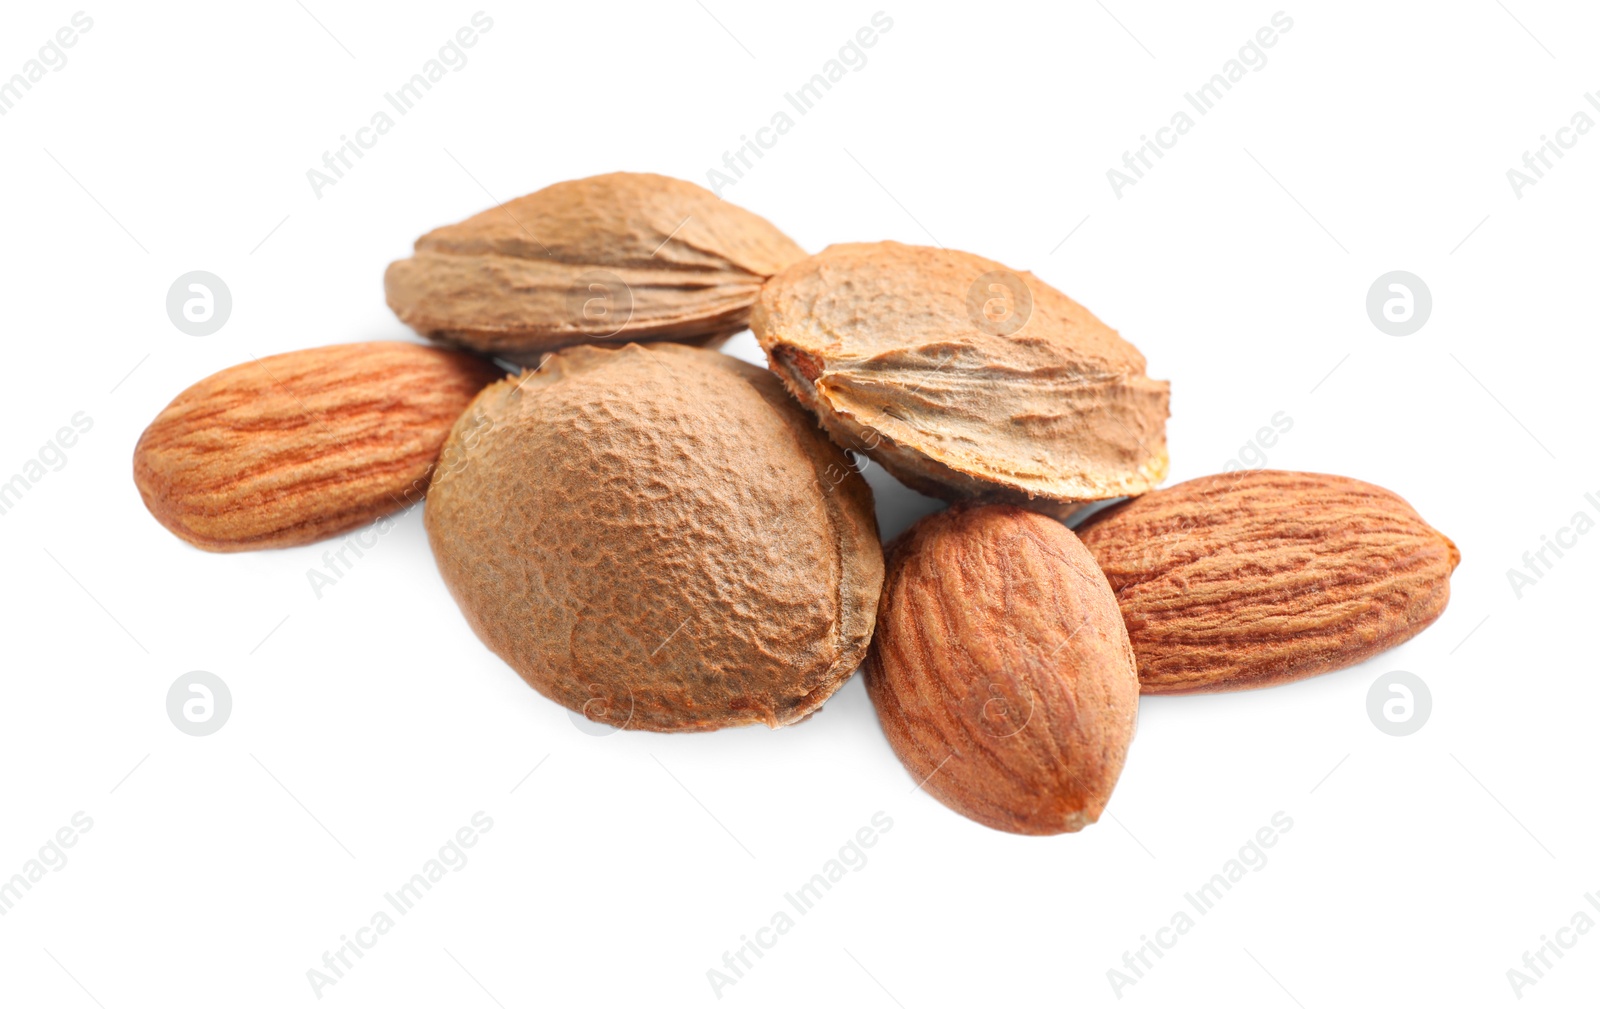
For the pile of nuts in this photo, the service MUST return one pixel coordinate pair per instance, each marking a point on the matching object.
(663, 537)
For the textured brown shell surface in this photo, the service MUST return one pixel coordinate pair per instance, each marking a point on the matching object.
(301, 446)
(512, 280)
(660, 537)
(1260, 577)
(878, 340)
(1001, 671)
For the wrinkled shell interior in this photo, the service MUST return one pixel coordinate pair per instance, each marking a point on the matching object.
(659, 537)
(889, 345)
(620, 257)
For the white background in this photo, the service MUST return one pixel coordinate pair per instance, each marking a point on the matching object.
(370, 725)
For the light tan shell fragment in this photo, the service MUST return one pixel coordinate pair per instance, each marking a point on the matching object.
(965, 380)
(620, 257)
(659, 537)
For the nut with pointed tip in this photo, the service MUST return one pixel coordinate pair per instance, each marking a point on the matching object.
(612, 258)
(1001, 671)
(305, 445)
(1254, 578)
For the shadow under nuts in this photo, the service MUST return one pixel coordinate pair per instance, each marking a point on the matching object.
(1260, 577)
(1001, 670)
(963, 379)
(625, 256)
(657, 536)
